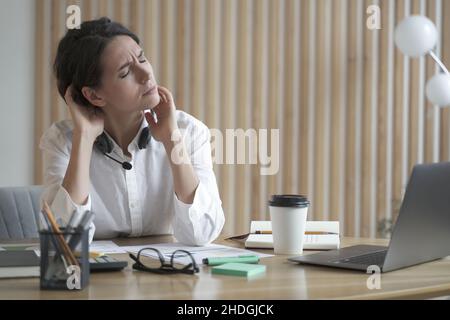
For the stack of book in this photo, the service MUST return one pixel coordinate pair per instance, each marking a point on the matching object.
(19, 264)
(319, 235)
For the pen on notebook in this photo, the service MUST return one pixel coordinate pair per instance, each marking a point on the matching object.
(306, 232)
(214, 261)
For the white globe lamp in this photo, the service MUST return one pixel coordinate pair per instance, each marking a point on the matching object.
(438, 89)
(417, 36)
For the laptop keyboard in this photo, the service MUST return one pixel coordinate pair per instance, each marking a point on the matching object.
(374, 258)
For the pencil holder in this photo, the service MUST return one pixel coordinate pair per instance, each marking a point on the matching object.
(61, 267)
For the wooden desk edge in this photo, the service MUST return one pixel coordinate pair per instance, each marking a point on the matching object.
(413, 293)
(408, 294)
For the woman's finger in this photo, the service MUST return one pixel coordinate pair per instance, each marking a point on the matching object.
(167, 93)
(162, 94)
(163, 98)
(150, 119)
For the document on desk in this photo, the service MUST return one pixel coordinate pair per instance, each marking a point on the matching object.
(105, 247)
(21, 247)
(199, 253)
(18, 246)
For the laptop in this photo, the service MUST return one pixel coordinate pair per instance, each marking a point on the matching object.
(421, 233)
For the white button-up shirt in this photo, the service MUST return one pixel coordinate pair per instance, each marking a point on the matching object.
(140, 201)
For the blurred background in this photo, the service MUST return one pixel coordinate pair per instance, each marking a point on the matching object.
(351, 109)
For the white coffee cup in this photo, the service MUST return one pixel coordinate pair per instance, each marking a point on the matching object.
(288, 214)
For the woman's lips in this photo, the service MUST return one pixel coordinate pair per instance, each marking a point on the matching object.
(151, 91)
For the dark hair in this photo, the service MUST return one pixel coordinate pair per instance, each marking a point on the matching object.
(77, 60)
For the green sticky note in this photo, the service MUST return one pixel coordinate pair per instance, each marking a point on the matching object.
(239, 269)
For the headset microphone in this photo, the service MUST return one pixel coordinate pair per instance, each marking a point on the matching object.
(105, 146)
(125, 165)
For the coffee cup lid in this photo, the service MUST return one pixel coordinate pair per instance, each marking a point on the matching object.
(288, 200)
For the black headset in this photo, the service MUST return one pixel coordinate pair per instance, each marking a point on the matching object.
(105, 146)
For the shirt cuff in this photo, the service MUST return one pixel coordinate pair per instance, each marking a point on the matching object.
(197, 223)
(63, 207)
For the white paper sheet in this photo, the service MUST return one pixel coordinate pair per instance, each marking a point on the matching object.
(199, 253)
(105, 247)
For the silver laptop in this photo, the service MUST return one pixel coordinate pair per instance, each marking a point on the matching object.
(421, 233)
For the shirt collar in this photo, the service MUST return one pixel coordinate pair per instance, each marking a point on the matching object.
(135, 142)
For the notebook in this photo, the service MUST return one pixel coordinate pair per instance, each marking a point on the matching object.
(311, 241)
(19, 264)
(239, 269)
(26, 264)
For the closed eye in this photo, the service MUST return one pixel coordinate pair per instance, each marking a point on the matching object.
(123, 76)
(142, 58)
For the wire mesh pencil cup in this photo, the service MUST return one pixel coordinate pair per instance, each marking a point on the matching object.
(61, 267)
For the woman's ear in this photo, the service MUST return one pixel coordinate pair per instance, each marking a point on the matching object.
(93, 97)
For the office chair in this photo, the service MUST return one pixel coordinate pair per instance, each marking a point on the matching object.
(19, 212)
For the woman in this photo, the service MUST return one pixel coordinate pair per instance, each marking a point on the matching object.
(165, 184)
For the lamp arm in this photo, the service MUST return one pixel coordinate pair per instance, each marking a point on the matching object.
(438, 61)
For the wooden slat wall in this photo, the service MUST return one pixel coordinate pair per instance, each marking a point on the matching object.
(351, 109)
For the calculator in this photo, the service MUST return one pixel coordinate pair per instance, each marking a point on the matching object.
(106, 263)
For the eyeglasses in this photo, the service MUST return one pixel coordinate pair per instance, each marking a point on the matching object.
(176, 265)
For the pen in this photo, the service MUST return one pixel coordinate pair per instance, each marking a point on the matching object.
(306, 232)
(65, 248)
(221, 260)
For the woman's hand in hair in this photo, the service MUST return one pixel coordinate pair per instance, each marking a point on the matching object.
(88, 122)
(166, 117)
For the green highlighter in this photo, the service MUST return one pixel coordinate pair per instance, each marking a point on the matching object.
(221, 260)
(239, 269)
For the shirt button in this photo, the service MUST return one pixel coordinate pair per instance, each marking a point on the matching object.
(132, 205)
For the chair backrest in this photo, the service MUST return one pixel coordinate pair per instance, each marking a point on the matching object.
(19, 212)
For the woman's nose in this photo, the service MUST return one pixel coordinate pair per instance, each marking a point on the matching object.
(144, 74)
(145, 78)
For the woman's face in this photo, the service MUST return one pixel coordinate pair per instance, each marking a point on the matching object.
(128, 83)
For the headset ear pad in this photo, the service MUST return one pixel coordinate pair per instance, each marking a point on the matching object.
(103, 144)
(144, 138)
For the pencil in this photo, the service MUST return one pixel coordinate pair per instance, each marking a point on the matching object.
(60, 237)
(263, 232)
(319, 232)
(306, 232)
